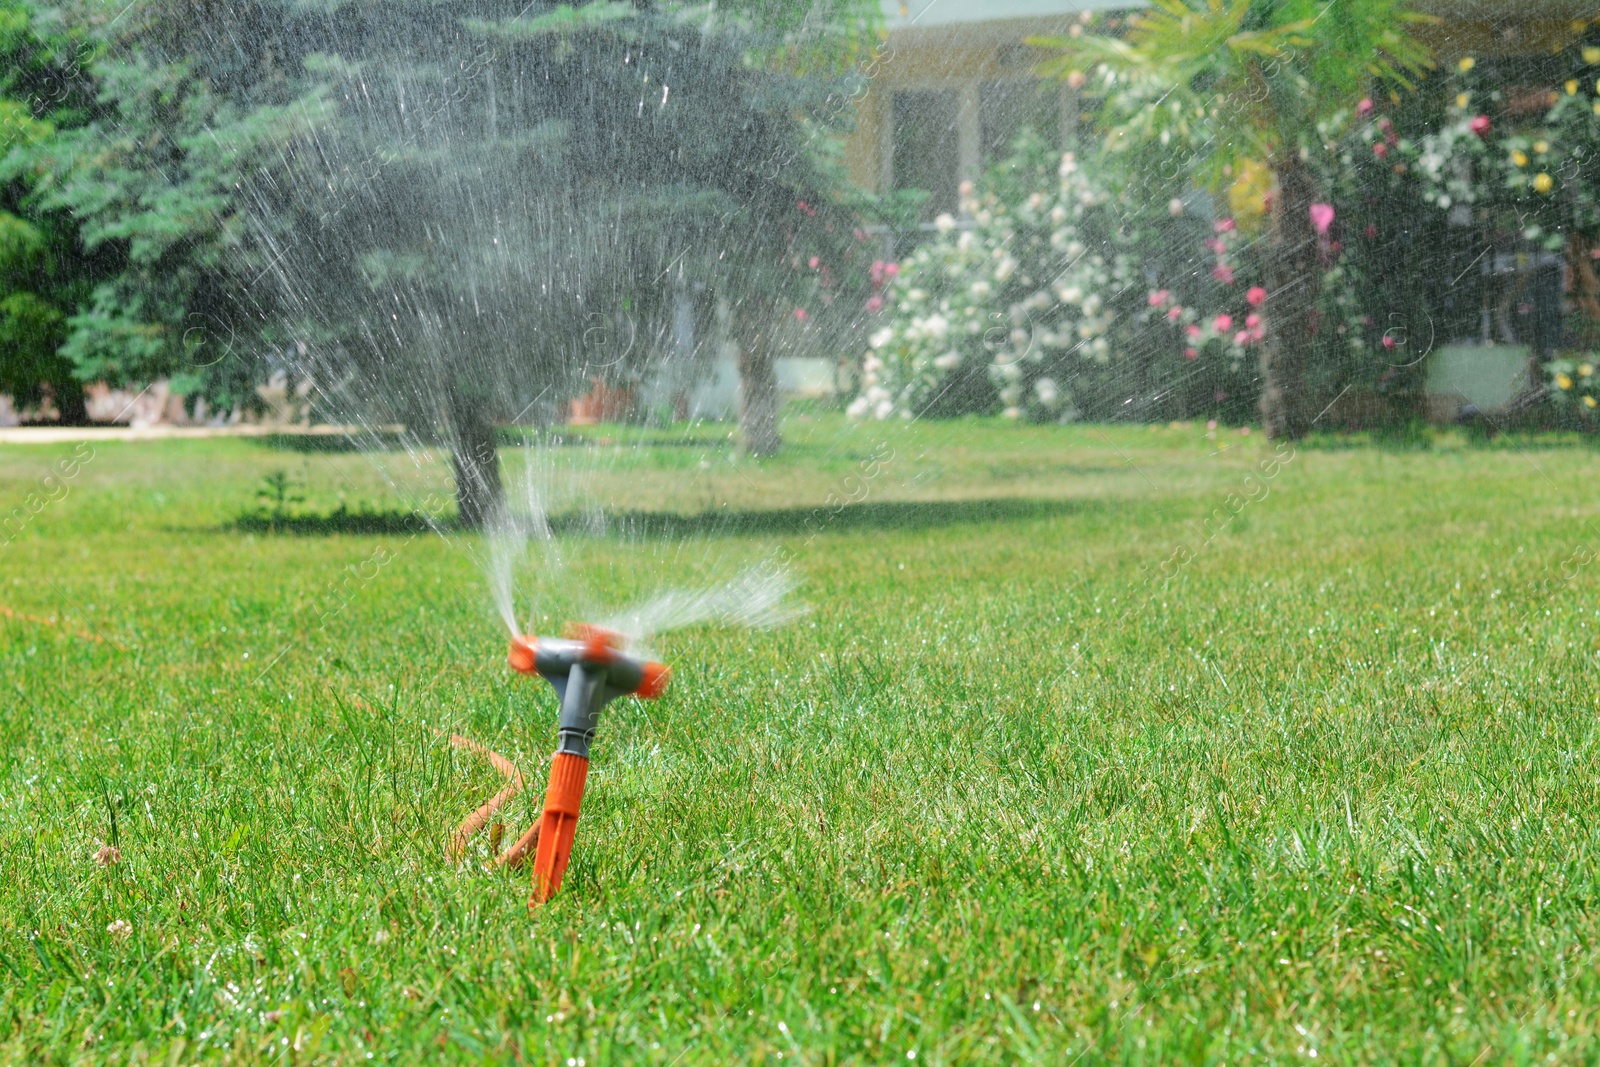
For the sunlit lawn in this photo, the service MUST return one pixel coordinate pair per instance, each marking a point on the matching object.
(1051, 771)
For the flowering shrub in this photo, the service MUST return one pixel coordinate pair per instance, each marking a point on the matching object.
(1576, 384)
(1047, 276)
(1013, 290)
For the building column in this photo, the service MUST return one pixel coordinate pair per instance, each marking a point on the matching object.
(884, 108)
(969, 132)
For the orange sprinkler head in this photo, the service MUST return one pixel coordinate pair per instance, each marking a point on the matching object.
(598, 642)
(524, 653)
(654, 681)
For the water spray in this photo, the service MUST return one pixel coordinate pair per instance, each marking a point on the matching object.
(588, 669)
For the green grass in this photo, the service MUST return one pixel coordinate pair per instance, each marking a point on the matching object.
(1007, 793)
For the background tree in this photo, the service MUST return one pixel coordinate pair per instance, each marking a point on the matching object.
(1224, 82)
(44, 86)
(431, 207)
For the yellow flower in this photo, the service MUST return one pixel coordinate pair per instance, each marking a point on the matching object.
(1563, 381)
(1597, 107)
(1572, 86)
(1463, 99)
(1467, 63)
(1588, 402)
(1591, 55)
(1586, 369)
(1543, 183)
(1541, 147)
(1519, 158)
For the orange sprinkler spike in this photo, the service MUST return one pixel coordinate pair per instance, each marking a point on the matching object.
(562, 800)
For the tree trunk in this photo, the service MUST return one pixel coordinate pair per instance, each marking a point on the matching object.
(1293, 283)
(70, 403)
(758, 379)
(479, 496)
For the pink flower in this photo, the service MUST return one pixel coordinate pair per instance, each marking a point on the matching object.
(1223, 273)
(1223, 323)
(1191, 353)
(800, 314)
(1322, 217)
(814, 262)
(1257, 334)
(1174, 313)
(892, 269)
(1255, 296)
(1371, 231)
(1252, 321)
(1480, 125)
(1223, 226)
(1380, 150)
(1193, 331)
(1159, 297)
(874, 303)
(1388, 342)
(1242, 338)
(1365, 107)
(1244, 431)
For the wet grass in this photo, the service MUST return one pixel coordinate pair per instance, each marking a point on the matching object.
(1154, 760)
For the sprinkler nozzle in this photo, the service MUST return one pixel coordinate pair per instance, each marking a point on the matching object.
(588, 669)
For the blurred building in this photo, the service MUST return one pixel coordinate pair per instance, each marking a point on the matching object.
(952, 88)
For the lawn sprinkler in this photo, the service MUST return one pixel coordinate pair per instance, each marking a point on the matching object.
(588, 669)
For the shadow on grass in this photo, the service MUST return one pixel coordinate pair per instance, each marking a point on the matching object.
(649, 525)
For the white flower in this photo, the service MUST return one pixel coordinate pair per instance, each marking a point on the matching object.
(1019, 336)
(936, 326)
(120, 929)
(1047, 392)
(872, 364)
(980, 290)
(1091, 303)
(858, 407)
(1012, 413)
(884, 409)
(945, 222)
(1075, 249)
(1011, 395)
(964, 242)
(1070, 295)
(877, 394)
(1175, 207)
(1006, 268)
(882, 337)
(1058, 214)
(1068, 164)
(949, 361)
(1009, 372)
(916, 296)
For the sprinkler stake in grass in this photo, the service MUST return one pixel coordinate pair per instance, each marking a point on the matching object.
(588, 669)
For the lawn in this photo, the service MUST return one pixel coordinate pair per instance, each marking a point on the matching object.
(1093, 747)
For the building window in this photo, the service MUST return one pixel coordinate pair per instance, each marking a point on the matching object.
(1006, 108)
(926, 151)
